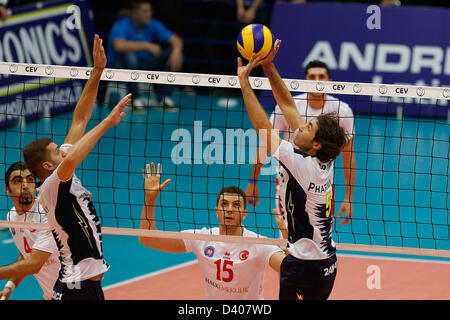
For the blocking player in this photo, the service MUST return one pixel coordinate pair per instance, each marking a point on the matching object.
(232, 271)
(69, 207)
(38, 254)
(306, 180)
(310, 105)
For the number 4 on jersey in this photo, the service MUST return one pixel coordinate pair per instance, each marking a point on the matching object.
(26, 246)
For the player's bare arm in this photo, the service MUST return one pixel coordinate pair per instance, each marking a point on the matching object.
(279, 220)
(349, 168)
(153, 187)
(280, 91)
(83, 146)
(24, 267)
(256, 113)
(276, 259)
(11, 284)
(83, 110)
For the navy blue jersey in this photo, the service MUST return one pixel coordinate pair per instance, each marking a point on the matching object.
(74, 225)
(306, 197)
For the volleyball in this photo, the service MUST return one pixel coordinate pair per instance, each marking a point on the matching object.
(254, 38)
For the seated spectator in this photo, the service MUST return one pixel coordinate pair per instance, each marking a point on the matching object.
(138, 41)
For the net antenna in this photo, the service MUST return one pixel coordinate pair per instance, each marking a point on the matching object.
(401, 194)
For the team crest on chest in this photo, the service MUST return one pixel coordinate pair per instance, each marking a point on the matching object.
(244, 255)
(209, 251)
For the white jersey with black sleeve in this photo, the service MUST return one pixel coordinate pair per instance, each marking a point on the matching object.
(75, 226)
(28, 239)
(306, 198)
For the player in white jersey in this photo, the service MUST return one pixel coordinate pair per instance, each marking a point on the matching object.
(310, 106)
(230, 271)
(306, 180)
(69, 207)
(37, 248)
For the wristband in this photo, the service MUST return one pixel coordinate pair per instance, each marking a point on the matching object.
(11, 285)
(252, 181)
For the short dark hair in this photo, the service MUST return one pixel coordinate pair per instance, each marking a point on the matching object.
(136, 4)
(232, 190)
(19, 165)
(331, 135)
(35, 153)
(317, 64)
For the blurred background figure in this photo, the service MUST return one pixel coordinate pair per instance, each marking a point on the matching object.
(138, 41)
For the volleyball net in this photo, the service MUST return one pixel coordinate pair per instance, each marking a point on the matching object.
(401, 146)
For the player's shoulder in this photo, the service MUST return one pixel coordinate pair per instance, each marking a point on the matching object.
(12, 214)
(301, 99)
(340, 105)
(251, 234)
(203, 230)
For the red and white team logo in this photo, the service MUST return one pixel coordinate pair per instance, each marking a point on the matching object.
(300, 296)
(243, 255)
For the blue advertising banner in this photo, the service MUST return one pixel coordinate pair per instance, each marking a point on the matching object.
(372, 44)
(50, 33)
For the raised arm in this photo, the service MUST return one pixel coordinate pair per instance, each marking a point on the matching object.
(280, 91)
(83, 146)
(83, 110)
(270, 139)
(152, 187)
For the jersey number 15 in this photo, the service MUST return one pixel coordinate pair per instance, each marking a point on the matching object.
(225, 273)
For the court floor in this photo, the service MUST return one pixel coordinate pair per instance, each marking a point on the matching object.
(397, 201)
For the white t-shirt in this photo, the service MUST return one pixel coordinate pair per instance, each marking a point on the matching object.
(332, 104)
(306, 196)
(26, 240)
(75, 226)
(231, 271)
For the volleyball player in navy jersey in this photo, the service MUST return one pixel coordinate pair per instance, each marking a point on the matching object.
(68, 205)
(306, 184)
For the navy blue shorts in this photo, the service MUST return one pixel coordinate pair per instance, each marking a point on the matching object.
(83, 290)
(307, 279)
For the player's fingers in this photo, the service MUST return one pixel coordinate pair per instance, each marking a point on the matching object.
(124, 101)
(341, 209)
(345, 221)
(153, 168)
(159, 169)
(102, 49)
(147, 166)
(239, 62)
(95, 42)
(164, 184)
(277, 44)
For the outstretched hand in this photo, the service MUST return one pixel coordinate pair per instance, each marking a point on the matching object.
(98, 53)
(116, 114)
(152, 181)
(256, 60)
(347, 207)
(269, 59)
